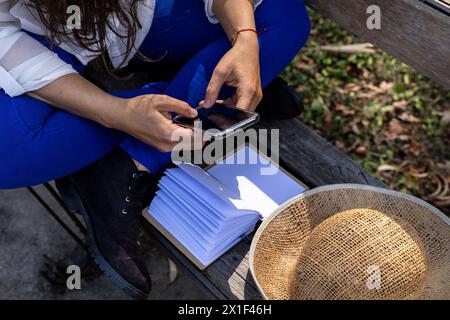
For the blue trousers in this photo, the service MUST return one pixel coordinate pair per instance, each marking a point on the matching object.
(39, 143)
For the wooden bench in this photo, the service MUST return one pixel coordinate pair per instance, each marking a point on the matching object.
(416, 32)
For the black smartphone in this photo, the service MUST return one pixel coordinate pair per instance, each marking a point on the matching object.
(220, 120)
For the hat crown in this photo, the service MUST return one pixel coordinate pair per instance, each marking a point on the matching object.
(360, 254)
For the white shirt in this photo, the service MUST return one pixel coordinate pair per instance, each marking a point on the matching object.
(26, 65)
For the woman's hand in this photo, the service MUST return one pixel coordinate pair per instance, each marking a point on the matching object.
(239, 68)
(148, 118)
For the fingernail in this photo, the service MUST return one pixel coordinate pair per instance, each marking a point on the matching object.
(208, 103)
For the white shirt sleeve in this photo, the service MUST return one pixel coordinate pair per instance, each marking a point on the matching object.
(25, 64)
(210, 14)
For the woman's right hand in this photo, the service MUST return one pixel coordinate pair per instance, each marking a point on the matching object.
(148, 118)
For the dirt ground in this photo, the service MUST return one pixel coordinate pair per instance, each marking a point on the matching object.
(28, 232)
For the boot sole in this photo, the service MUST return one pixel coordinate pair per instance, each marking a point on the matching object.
(73, 202)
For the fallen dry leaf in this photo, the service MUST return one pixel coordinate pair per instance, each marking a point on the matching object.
(445, 120)
(415, 148)
(383, 88)
(361, 150)
(355, 129)
(395, 130)
(444, 166)
(402, 104)
(386, 86)
(340, 145)
(439, 184)
(344, 109)
(305, 63)
(386, 167)
(407, 117)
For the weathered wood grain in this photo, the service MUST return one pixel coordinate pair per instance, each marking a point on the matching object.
(307, 156)
(411, 30)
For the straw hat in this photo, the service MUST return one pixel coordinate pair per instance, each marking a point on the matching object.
(353, 242)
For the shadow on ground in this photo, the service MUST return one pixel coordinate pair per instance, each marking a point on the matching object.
(28, 232)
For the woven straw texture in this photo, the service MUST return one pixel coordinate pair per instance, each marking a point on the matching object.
(353, 242)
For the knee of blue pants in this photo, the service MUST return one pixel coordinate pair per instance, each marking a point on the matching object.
(289, 16)
(285, 27)
(299, 25)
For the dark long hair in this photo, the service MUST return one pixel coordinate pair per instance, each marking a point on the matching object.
(94, 23)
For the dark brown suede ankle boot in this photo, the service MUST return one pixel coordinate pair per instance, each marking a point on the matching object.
(111, 194)
(280, 101)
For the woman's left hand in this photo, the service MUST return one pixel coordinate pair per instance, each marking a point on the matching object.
(239, 68)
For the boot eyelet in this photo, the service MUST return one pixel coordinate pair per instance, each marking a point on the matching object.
(130, 188)
(135, 175)
(127, 199)
(124, 211)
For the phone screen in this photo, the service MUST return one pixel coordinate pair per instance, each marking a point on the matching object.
(219, 117)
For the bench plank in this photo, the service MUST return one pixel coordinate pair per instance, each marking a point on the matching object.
(307, 156)
(411, 30)
(312, 159)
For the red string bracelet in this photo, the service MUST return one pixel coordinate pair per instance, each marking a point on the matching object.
(236, 35)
